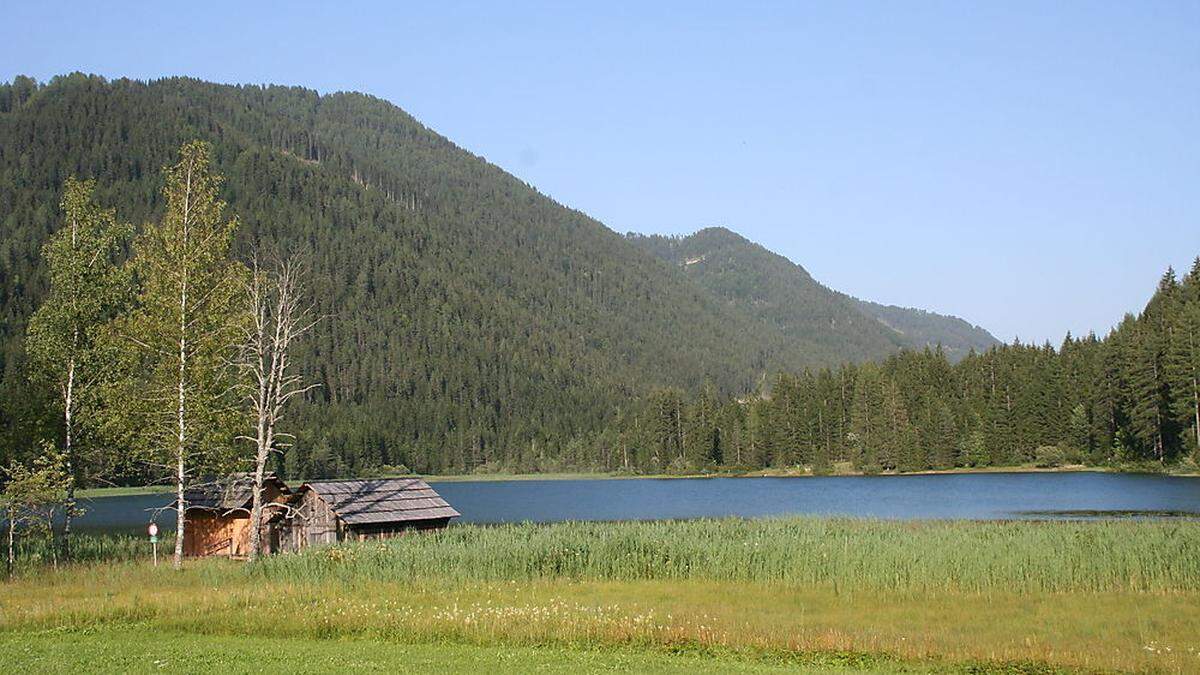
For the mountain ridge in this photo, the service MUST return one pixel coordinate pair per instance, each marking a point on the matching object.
(781, 291)
(472, 319)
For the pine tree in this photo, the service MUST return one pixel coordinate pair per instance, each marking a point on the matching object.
(899, 448)
(1183, 362)
(1149, 416)
(703, 432)
(975, 445)
(1079, 426)
(942, 443)
(86, 290)
(182, 332)
(868, 419)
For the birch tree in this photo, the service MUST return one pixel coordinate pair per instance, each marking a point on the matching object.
(279, 315)
(30, 494)
(87, 288)
(180, 402)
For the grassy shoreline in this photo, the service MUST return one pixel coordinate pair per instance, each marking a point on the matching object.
(91, 493)
(719, 595)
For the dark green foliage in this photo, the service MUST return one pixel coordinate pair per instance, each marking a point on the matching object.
(1130, 398)
(470, 322)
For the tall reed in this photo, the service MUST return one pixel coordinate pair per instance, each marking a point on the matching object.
(34, 553)
(846, 554)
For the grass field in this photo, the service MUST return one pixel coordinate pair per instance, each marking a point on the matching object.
(124, 491)
(133, 650)
(718, 595)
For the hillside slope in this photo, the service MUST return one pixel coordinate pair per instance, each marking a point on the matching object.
(750, 277)
(920, 327)
(470, 319)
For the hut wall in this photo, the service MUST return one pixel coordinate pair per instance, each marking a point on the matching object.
(210, 533)
(313, 524)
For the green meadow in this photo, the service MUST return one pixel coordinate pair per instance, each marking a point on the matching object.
(696, 596)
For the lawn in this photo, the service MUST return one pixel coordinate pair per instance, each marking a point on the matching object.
(722, 595)
(134, 650)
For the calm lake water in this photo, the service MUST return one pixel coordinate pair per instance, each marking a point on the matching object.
(968, 496)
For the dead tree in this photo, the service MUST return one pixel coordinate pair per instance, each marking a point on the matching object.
(280, 315)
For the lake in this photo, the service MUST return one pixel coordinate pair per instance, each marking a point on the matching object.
(982, 496)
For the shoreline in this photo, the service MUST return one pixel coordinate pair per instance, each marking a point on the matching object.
(945, 597)
(91, 493)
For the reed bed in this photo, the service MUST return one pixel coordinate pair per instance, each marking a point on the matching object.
(33, 554)
(1109, 595)
(845, 554)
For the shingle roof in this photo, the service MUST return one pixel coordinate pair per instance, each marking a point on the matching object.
(383, 500)
(224, 494)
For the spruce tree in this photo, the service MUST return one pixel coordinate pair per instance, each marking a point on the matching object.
(1150, 417)
(868, 419)
(1183, 362)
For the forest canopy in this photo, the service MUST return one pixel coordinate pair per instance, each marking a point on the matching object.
(470, 323)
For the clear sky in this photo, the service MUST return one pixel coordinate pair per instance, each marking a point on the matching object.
(1032, 167)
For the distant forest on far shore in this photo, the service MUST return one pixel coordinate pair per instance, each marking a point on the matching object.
(1132, 398)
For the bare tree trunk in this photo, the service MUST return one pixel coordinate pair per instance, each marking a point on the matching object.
(277, 319)
(265, 441)
(180, 512)
(12, 543)
(1196, 406)
(69, 458)
(181, 448)
(50, 533)
(256, 515)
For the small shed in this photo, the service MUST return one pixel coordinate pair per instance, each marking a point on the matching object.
(355, 510)
(218, 516)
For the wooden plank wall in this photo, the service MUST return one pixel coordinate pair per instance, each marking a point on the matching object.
(208, 533)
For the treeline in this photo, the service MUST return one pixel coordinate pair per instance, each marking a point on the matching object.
(1130, 398)
(471, 324)
(467, 318)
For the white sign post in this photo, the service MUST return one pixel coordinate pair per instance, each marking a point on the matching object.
(153, 531)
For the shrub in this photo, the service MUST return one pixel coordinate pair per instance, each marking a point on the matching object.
(1049, 456)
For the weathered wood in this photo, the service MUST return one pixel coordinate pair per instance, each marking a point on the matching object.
(320, 513)
(220, 511)
(356, 510)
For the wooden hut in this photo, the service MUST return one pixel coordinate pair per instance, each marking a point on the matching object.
(218, 516)
(355, 510)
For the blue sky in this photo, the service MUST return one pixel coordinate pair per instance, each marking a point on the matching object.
(1032, 167)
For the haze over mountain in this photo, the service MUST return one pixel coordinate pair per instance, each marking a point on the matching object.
(781, 293)
(469, 318)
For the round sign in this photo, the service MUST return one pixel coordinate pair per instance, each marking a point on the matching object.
(153, 529)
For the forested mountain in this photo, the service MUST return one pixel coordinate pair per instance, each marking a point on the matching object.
(922, 328)
(1132, 398)
(468, 319)
(784, 295)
